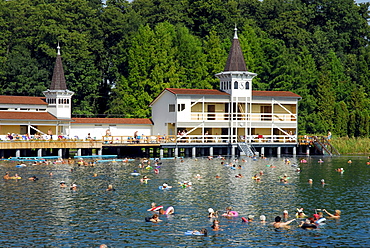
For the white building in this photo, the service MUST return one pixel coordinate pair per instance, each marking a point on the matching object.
(233, 114)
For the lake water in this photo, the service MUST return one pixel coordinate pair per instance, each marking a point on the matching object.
(40, 214)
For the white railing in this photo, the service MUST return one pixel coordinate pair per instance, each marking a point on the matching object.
(276, 117)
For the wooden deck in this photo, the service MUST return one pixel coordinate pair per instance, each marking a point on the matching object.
(49, 144)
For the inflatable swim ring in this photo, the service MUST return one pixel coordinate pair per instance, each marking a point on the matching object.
(162, 188)
(135, 174)
(309, 226)
(155, 208)
(231, 214)
(169, 210)
(20, 165)
(15, 177)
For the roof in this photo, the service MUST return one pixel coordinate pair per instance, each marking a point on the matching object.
(256, 93)
(17, 115)
(195, 91)
(143, 121)
(235, 60)
(58, 81)
(27, 100)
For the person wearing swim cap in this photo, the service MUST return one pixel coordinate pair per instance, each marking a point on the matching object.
(279, 224)
(212, 213)
(285, 215)
(263, 219)
(63, 184)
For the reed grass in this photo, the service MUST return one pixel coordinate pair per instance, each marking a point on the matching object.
(346, 145)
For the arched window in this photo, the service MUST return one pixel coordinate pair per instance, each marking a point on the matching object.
(236, 85)
(247, 85)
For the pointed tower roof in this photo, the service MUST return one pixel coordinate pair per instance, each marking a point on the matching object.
(58, 81)
(235, 61)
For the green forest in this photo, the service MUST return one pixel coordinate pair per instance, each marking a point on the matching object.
(120, 55)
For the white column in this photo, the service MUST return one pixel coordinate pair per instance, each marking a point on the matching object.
(307, 150)
(39, 152)
(278, 150)
(100, 151)
(211, 151)
(18, 153)
(79, 152)
(161, 152)
(294, 151)
(262, 151)
(60, 152)
(233, 151)
(176, 152)
(193, 152)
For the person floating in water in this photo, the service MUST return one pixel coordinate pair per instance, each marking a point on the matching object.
(34, 178)
(300, 213)
(216, 225)
(63, 184)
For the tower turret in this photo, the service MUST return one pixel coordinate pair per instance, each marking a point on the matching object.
(58, 97)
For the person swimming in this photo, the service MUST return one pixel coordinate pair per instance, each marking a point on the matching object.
(110, 188)
(62, 184)
(33, 178)
(154, 218)
(279, 224)
(336, 214)
(215, 226)
(212, 213)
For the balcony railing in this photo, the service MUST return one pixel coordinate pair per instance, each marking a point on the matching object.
(242, 117)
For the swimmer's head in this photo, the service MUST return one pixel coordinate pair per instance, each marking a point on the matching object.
(210, 210)
(262, 218)
(277, 219)
(337, 212)
(250, 217)
(285, 212)
(229, 208)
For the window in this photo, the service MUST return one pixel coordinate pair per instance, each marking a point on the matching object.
(247, 85)
(171, 108)
(180, 107)
(236, 85)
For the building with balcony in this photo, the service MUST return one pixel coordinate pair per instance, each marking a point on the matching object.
(232, 114)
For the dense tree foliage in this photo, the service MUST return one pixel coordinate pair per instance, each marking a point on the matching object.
(120, 55)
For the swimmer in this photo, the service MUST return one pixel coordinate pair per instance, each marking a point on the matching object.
(198, 176)
(322, 181)
(95, 175)
(63, 184)
(215, 226)
(110, 188)
(230, 213)
(310, 181)
(279, 224)
(300, 213)
(321, 218)
(166, 186)
(34, 178)
(6, 176)
(239, 176)
(250, 218)
(203, 231)
(155, 218)
(349, 161)
(218, 177)
(320, 161)
(263, 219)
(73, 187)
(336, 214)
(285, 215)
(308, 224)
(144, 179)
(212, 213)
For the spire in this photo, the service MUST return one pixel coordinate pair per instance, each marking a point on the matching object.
(58, 81)
(235, 61)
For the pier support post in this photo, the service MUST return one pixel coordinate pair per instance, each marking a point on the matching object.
(294, 151)
(194, 152)
(233, 151)
(39, 152)
(79, 152)
(308, 151)
(18, 153)
(161, 153)
(286, 150)
(211, 151)
(176, 152)
(60, 152)
(262, 151)
(278, 151)
(100, 151)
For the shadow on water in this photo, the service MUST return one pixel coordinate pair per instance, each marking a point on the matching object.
(42, 214)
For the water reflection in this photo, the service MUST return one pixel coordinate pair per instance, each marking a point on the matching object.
(42, 214)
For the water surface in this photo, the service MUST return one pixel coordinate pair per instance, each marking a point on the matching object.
(42, 214)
